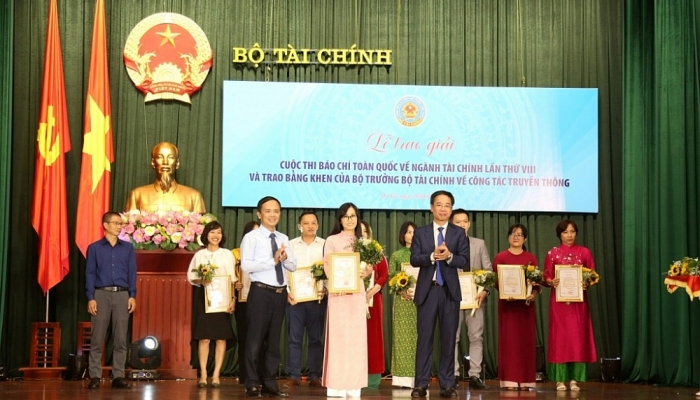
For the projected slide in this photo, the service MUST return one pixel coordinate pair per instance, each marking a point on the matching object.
(389, 147)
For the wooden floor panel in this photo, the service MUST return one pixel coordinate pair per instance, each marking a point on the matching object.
(231, 389)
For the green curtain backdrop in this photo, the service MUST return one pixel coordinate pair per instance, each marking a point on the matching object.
(543, 43)
(6, 31)
(661, 179)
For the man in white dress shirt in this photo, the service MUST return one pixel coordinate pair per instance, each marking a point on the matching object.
(265, 255)
(478, 259)
(308, 248)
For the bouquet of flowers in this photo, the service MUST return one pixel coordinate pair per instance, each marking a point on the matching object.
(591, 277)
(205, 271)
(371, 253)
(685, 267)
(319, 274)
(483, 279)
(401, 282)
(165, 230)
(533, 276)
(318, 271)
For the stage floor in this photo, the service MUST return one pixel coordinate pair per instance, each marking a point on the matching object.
(230, 389)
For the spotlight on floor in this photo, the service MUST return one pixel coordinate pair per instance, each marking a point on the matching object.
(144, 357)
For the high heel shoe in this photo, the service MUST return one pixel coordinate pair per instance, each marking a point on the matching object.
(202, 384)
(215, 382)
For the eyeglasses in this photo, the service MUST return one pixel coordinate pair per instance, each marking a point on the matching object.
(119, 223)
(516, 236)
(349, 217)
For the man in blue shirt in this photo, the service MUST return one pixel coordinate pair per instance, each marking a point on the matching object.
(265, 255)
(110, 283)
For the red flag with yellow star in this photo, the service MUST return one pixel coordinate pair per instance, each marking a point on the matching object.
(49, 217)
(95, 171)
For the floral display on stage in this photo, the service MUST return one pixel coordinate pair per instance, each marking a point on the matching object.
(167, 230)
(684, 273)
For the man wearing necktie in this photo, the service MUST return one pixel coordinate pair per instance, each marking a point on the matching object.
(265, 252)
(439, 250)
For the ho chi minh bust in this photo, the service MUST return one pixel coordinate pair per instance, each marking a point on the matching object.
(165, 194)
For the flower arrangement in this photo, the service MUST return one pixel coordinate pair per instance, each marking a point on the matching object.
(205, 271)
(484, 278)
(318, 271)
(591, 277)
(532, 274)
(401, 282)
(165, 230)
(685, 267)
(319, 274)
(371, 252)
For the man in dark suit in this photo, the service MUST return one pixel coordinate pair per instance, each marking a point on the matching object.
(439, 250)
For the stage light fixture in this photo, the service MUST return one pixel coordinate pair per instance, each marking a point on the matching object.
(144, 357)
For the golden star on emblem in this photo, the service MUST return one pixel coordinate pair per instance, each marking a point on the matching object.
(95, 141)
(168, 36)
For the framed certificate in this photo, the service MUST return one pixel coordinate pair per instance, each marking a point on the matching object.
(410, 270)
(468, 288)
(570, 287)
(302, 284)
(344, 273)
(244, 279)
(511, 282)
(217, 294)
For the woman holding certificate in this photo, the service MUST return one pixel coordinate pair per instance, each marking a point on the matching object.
(345, 352)
(403, 354)
(375, 327)
(571, 343)
(212, 268)
(516, 320)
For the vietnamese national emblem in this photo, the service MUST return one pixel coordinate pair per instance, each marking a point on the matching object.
(168, 56)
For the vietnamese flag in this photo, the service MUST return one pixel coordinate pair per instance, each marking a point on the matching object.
(95, 175)
(53, 141)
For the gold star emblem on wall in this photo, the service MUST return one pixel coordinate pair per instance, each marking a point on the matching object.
(168, 36)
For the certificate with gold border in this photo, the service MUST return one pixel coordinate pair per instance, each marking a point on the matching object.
(468, 288)
(217, 294)
(570, 287)
(344, 273)
(410, 270)
(244, 279)
(302, 285)
(511, 282)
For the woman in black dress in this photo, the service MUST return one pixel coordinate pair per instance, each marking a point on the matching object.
(212, 328)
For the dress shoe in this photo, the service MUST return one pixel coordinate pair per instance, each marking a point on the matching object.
(449, 392)
(215, 383)
(273, 392)
(253, 391)
(315, 383)
(201, 384)
(291, 382)
(476, 383)
(419, 392)
(94, 383)
(120, 383)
